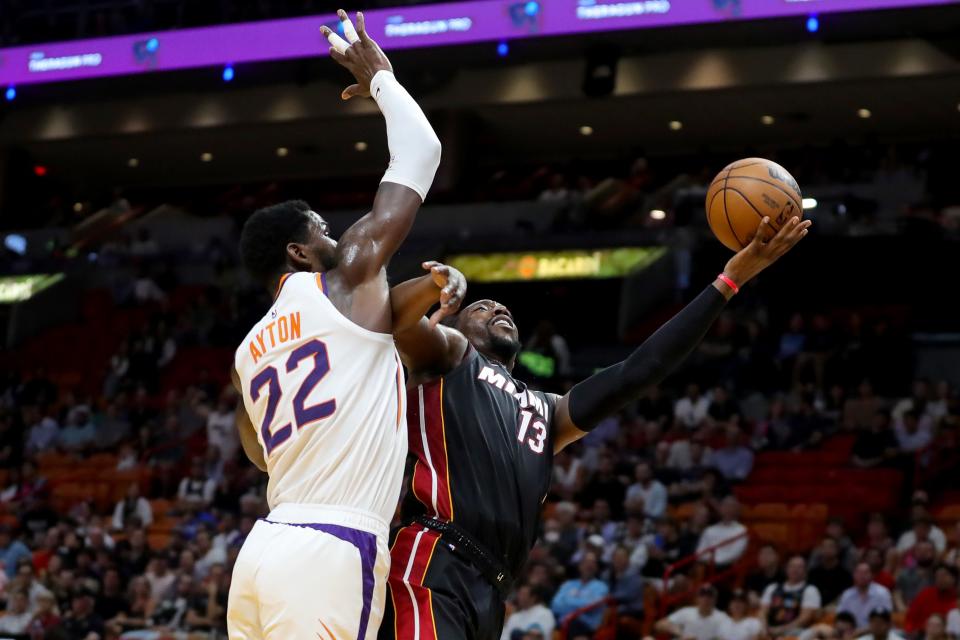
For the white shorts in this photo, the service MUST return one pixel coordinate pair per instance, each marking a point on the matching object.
(309, 572)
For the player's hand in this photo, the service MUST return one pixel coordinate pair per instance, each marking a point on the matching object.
(359, 54)
(453, 288)
(765, 248)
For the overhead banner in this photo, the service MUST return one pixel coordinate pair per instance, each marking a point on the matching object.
(555, 265)
(20, 288)
(406, 27)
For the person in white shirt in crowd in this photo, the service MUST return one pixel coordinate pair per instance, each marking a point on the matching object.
(864, 596)
(953, 622)
(532, 619)
(569, 474)
(881, 627)
(692, 409)
(936, 629)
(734, 460)
(132, 505)
(791, 606)
(940, 405)
(18, 616)
(913, 432)
(742, 625)
(723, 532)
(209, 553)
(701, 622)
(222, 425)
(918, 401)
(647, 493)
(923, 529)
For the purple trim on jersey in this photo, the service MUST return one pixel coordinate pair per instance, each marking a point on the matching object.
(323, 283)
(366, 544)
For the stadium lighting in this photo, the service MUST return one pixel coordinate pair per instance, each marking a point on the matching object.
(77, 207)
(11, 94)
(282, 152)
(228, 73)
(360, 145)
(531, 8)
(767, 120)
(133, 163)
(206, 156)
(864, 113)
(658, 214)
(39, 171)
(809, 203)
(813, 24)
(586, 130)
(152, 45)
(676, 125)
(503, 49)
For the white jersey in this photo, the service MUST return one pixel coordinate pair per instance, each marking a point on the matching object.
(326, 398)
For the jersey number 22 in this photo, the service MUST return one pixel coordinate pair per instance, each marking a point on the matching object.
(303, 415)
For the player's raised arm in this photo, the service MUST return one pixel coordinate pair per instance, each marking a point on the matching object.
(608, 391)
(367, 246)
(424, 344)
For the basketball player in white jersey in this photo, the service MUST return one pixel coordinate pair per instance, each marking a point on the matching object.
(323, 392)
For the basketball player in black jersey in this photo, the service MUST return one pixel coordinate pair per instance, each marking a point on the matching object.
(483, 444)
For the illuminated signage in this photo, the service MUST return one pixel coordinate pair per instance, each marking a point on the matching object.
(20, 288)
(418, 26)
(555, 265)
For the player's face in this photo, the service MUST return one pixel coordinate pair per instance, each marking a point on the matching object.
(490, 328)
(319, 252)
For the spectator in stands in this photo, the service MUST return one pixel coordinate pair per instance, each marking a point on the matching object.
(221, 425)
(940, 598)
(647, 495)
(878, 534)
(721, 535)
(43, 432)
(691, 410)
(626, 585)
(936, 628)
(881, 627)
(689, 455)
(876, 561)
(877, 444)
(768, 572)
(197, 490)
(953, 623)
(829, 576)
(916, 402)
(923, 529)
(722, 407)
(578, 593)
(701, 622)
(531, 620)
(953, 555)
(864, 596)
(569, 475)
(742, 625)
(45, 616)
(146, 290)
(17, 617)
(790, 606)
(605, 484)
(733, 460)
(133, 505)
(861, 411)
(845, 626)
(11, 552)
(914, 579)
(913, 432)
(664, 548)
(79, 435)
(159, 577)
(81, 620)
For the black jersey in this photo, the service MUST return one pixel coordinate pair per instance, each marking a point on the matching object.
(483, 453)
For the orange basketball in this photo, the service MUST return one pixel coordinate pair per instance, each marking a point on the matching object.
(746, 191)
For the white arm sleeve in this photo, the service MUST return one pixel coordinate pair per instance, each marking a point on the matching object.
(414, 147)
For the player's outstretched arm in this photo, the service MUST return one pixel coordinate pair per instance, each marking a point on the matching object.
(411, 300)
(367, 246)
(608, 391)
(425, 345)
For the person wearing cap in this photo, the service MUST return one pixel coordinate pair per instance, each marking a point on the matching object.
(881, 627)
(742, 626)
(579, 593)
(700, 622)
(864, 596)
(939, 598)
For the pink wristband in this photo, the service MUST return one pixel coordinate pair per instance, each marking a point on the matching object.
(727, 280)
